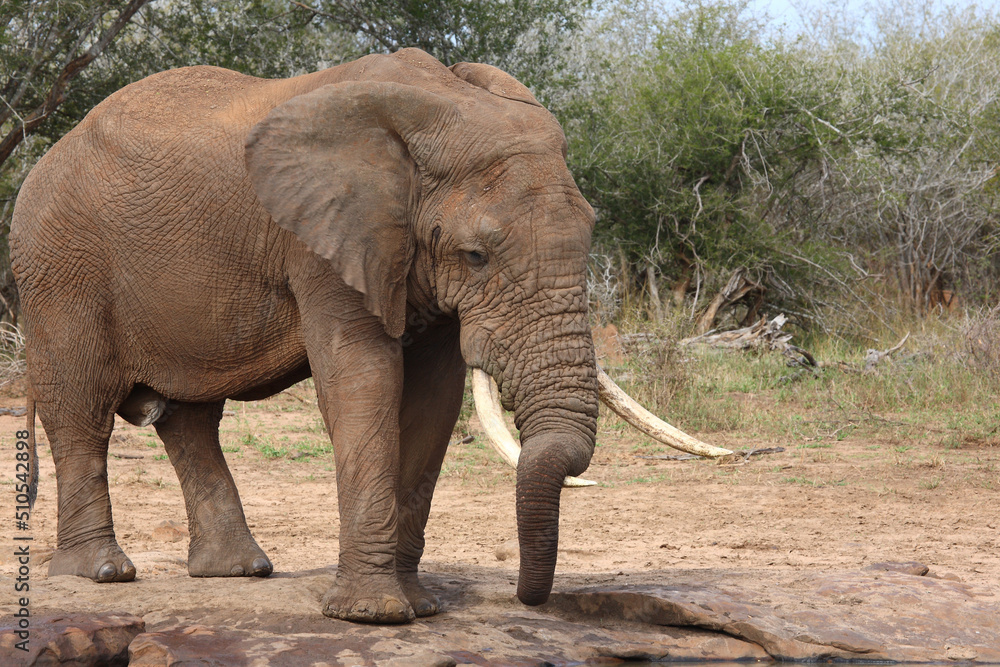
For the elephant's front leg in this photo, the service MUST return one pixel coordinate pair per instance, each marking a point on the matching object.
(432, 399)
(358, 371)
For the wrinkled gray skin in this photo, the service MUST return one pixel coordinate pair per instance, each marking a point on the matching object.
(204, 235)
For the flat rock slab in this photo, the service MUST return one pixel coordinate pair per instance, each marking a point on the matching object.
(892, 617)
(883, 614)
(507, 639)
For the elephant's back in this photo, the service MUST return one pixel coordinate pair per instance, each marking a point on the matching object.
(190, 107)
(164, 137)
(159, 161)
(148, 197)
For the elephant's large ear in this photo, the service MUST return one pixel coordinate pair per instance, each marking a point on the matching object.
(338, 166)
(495, 81)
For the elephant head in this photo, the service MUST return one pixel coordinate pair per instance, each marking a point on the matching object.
(450, 197)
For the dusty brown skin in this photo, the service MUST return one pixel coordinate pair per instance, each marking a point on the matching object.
(204, 235)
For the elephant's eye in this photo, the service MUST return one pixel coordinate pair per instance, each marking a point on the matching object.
(475, 259)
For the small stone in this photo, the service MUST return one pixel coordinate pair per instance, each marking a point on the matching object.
(509, 550)
(170, 531)
(907, 567)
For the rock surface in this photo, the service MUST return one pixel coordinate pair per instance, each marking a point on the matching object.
(881, 614)
(908, 567)
(71, 639)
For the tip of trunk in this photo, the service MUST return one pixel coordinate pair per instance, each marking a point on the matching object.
(533, 598)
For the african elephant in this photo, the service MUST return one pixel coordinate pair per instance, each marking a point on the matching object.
(203, 235)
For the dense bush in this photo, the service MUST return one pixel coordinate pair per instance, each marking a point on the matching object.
(845, 172)
(845, 175)
(686, 150)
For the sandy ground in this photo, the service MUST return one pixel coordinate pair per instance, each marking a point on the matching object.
(816, 507)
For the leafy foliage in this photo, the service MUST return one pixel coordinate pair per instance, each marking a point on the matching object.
(844, 176)
(524, 37)
(844, 171)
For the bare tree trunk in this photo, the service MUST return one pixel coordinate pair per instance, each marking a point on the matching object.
(626, 277)
(654, 294)
(739, 286)
(680, 288)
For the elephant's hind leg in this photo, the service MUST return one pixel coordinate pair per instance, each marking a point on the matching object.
(86, 536)
(221, 543)
(78, 419)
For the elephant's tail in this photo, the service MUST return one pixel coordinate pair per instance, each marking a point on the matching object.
(32, 448)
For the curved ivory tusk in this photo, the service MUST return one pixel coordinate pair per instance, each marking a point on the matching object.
(487, 398)
(629, 409)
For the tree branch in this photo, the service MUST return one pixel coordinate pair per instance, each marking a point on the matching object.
(59, 91)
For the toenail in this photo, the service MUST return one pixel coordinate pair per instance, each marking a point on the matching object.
(261, 567)
(394, 607)
(364, 609)
(107, 572)
(237, 571)
(128, 569)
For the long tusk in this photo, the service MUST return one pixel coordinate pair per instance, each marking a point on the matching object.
(487, 398)
(628, 409)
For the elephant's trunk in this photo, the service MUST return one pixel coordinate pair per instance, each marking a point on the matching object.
(544, 365)
(557, 418)
(545, 460)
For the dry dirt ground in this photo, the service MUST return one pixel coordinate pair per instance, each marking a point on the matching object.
(757, 529)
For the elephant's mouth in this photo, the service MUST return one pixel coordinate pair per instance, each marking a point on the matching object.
(487, 399)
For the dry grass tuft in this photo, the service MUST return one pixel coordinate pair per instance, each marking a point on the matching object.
(12, 363)
(982, 340)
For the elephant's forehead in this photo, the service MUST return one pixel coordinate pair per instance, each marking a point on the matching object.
(552, 231)
(498, 145)
(517, 193)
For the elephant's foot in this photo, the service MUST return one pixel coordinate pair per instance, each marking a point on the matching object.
(368, 599)
(424, 602)
(101, 560)
(233, 557)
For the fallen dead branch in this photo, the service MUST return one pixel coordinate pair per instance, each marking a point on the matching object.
(759, 334)
(672, 457)
(874, 357)
(767, 335)
(763, 335)
(745, 454)
(740, 458)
